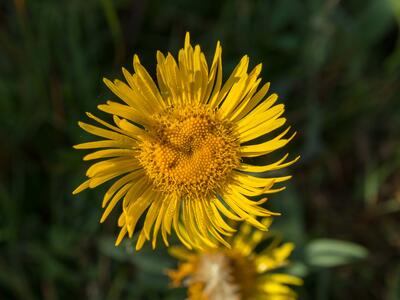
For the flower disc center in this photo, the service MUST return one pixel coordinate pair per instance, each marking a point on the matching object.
(191, 151)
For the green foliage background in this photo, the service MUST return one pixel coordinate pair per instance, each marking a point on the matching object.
(336, 66)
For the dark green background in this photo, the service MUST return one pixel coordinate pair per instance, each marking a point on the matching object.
(336, 66)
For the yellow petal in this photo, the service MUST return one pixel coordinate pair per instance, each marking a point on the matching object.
(146, 86)
(103, 144)
(110, 153)
(239, 71)
(119, 183)
(114, 201)
(107, 134)
(264, 148)
(250, 102)
(124, 111)
(271, 167)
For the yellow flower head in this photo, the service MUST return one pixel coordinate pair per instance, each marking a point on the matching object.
(238, 273)
(178, 148)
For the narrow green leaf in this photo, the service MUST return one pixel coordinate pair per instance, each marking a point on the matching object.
(332, 253)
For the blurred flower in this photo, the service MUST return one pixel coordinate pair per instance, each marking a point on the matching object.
(237, 273)
(178, 148)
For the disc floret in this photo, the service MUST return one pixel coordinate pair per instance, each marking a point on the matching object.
(190, 151)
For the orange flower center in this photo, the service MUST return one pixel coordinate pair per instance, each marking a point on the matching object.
(189, 151)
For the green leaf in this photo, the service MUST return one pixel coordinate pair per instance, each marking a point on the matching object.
(332, 253)
(297, 268)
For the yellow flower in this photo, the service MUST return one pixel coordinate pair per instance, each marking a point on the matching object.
(238, 273)
(179, 149)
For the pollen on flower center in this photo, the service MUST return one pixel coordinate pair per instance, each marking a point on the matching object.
(190, 151)
(225, 275)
